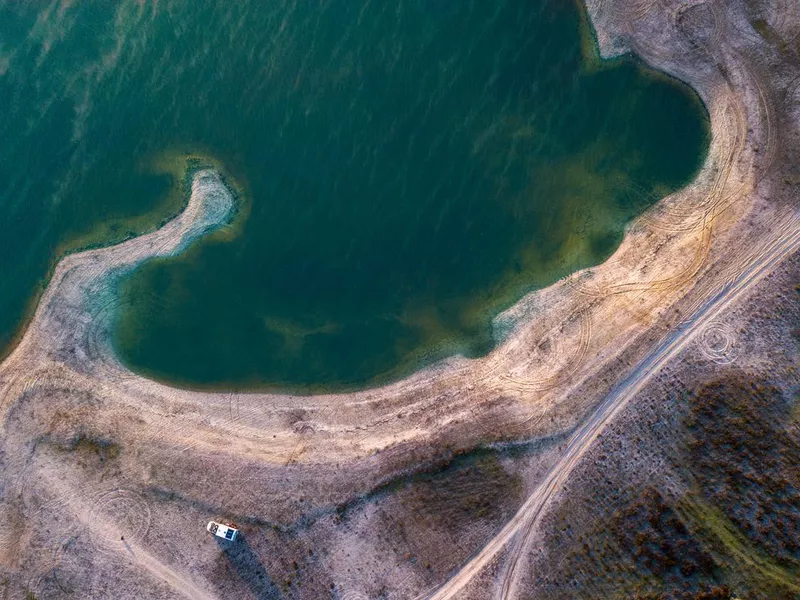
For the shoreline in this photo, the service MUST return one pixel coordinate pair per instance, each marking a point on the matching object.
(180, 166)
(209, 207)
(479, 316)
(486, 317)
(562, 313)
(567, 314)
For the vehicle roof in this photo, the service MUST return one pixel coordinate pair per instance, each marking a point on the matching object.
(225, 531)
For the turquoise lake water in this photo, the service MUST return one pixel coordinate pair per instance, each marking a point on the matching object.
(405, 169)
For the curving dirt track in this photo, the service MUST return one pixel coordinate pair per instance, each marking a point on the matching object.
(782, 241)
(569, 359)
(524, 522)
(108, 537)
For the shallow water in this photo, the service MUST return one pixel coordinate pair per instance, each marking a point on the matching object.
(405, 169)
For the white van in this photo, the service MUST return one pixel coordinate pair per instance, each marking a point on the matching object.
(226, 532)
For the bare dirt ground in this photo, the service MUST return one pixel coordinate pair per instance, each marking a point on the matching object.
(109, 478)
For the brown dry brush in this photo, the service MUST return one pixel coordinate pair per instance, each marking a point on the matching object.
(744, 461)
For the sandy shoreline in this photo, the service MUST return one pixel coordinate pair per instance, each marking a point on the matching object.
(567, 345)
(558, 337)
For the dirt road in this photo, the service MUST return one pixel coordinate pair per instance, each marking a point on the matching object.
(105, 533)
(523, 524)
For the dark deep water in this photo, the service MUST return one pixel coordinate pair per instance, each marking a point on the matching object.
(407, 168)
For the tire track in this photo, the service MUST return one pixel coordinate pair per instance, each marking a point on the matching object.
(525, 520)
(570, 365)
(105, 533)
